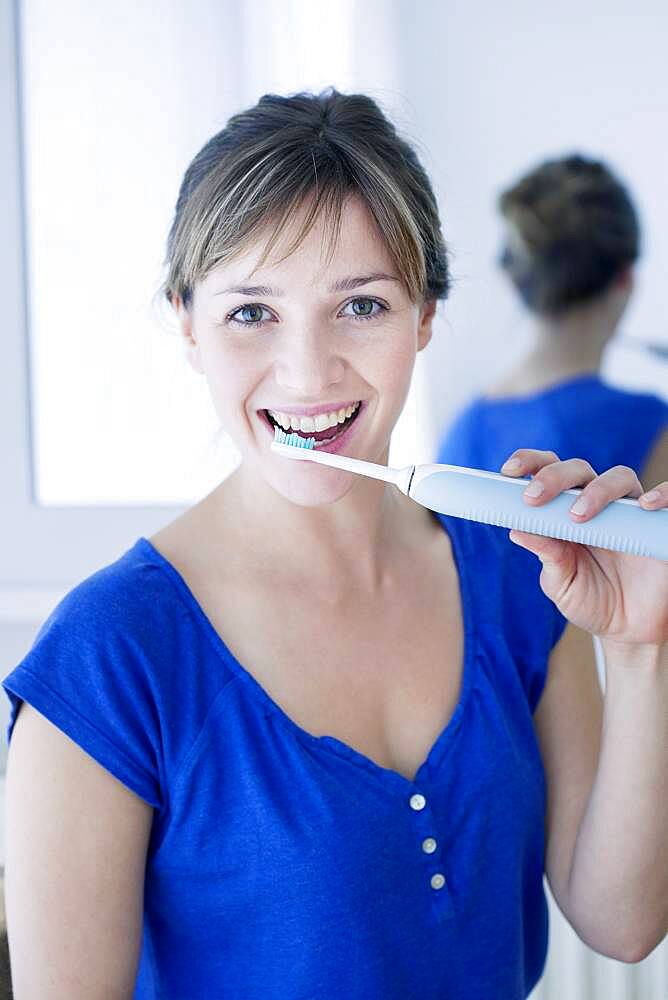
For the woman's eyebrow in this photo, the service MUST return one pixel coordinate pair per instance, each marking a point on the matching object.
(346, 284)
(249, 290)
(342, 285)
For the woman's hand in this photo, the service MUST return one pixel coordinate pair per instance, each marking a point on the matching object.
(619, 597)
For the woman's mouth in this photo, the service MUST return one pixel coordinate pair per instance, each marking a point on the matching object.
(328, 429)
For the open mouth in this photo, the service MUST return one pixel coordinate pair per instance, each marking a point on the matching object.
(323, 437)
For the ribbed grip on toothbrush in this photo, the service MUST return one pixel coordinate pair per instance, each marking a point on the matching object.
(622, 526)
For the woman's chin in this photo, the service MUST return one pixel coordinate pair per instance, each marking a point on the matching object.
(306, 484)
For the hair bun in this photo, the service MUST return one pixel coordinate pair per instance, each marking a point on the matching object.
(572, 229)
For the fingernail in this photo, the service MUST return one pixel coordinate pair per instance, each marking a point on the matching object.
(580, 506)
(652, 496)
(512, 465)
(534, 489)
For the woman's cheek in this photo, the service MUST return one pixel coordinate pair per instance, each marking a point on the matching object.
(230, 384)
(399, 363)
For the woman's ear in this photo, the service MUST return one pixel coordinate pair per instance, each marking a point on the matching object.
(626, 280)
(427, 313)
(185, 320)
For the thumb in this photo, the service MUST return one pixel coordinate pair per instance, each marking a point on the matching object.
(558, 559)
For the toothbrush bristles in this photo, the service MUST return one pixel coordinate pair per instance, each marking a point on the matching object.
(294, 440)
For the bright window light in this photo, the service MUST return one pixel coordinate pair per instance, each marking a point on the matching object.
(115, 103)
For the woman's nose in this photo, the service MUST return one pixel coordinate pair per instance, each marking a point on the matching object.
(308, 365)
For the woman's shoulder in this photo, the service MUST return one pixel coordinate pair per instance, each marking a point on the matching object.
(633, 398)
(111, 663)
(96, 672)
(130, 594)
(115, 627)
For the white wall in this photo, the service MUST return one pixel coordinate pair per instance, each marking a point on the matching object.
(493, 89)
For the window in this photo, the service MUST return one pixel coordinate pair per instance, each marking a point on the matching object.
(111, 116)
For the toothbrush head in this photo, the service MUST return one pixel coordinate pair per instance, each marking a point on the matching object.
(291, 445)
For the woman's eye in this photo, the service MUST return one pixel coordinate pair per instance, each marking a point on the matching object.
(365, 308)
(249, 315)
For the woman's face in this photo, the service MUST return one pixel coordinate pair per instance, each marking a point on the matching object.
(326, 348)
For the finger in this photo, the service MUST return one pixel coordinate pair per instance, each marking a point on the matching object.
(527, 460)
(612, 484)
(656, 497)
(553, 479)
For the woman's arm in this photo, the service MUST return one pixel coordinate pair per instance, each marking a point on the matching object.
(619, 871)
(76, 842)
(607, 816)
(568, 723)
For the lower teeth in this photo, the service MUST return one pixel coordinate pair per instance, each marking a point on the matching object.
(327, 440)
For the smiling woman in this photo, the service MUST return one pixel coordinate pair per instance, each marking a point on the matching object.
(302, 713)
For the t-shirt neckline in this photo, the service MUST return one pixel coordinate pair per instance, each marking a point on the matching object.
(387, 776)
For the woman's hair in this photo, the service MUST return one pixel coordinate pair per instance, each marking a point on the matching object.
(313, 151)
(572, 230)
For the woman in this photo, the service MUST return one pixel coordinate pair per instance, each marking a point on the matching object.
(312, 700)
(572, 238)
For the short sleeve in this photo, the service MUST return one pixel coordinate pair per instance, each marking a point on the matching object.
(88, 672)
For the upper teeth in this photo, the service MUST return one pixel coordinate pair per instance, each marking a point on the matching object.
(308, 425)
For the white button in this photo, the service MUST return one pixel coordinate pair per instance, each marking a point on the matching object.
(418, 802)
(437, 881)
(429, 845)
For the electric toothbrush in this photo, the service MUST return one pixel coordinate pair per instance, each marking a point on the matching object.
(622, 526)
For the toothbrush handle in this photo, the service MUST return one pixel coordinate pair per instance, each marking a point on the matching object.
(623, 526)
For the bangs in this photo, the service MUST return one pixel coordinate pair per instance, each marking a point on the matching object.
(323, 203)
(232, 209)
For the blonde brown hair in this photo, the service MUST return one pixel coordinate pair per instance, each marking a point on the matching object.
(572, 230)
(313, 150)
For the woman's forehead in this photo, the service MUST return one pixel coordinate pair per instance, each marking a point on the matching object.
(358, 248)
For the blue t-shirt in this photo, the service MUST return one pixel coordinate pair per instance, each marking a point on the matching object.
(286, 866)
(583, 417)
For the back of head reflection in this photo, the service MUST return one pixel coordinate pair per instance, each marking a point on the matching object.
(571, 239)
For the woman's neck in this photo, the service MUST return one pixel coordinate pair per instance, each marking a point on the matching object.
(353, 545)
